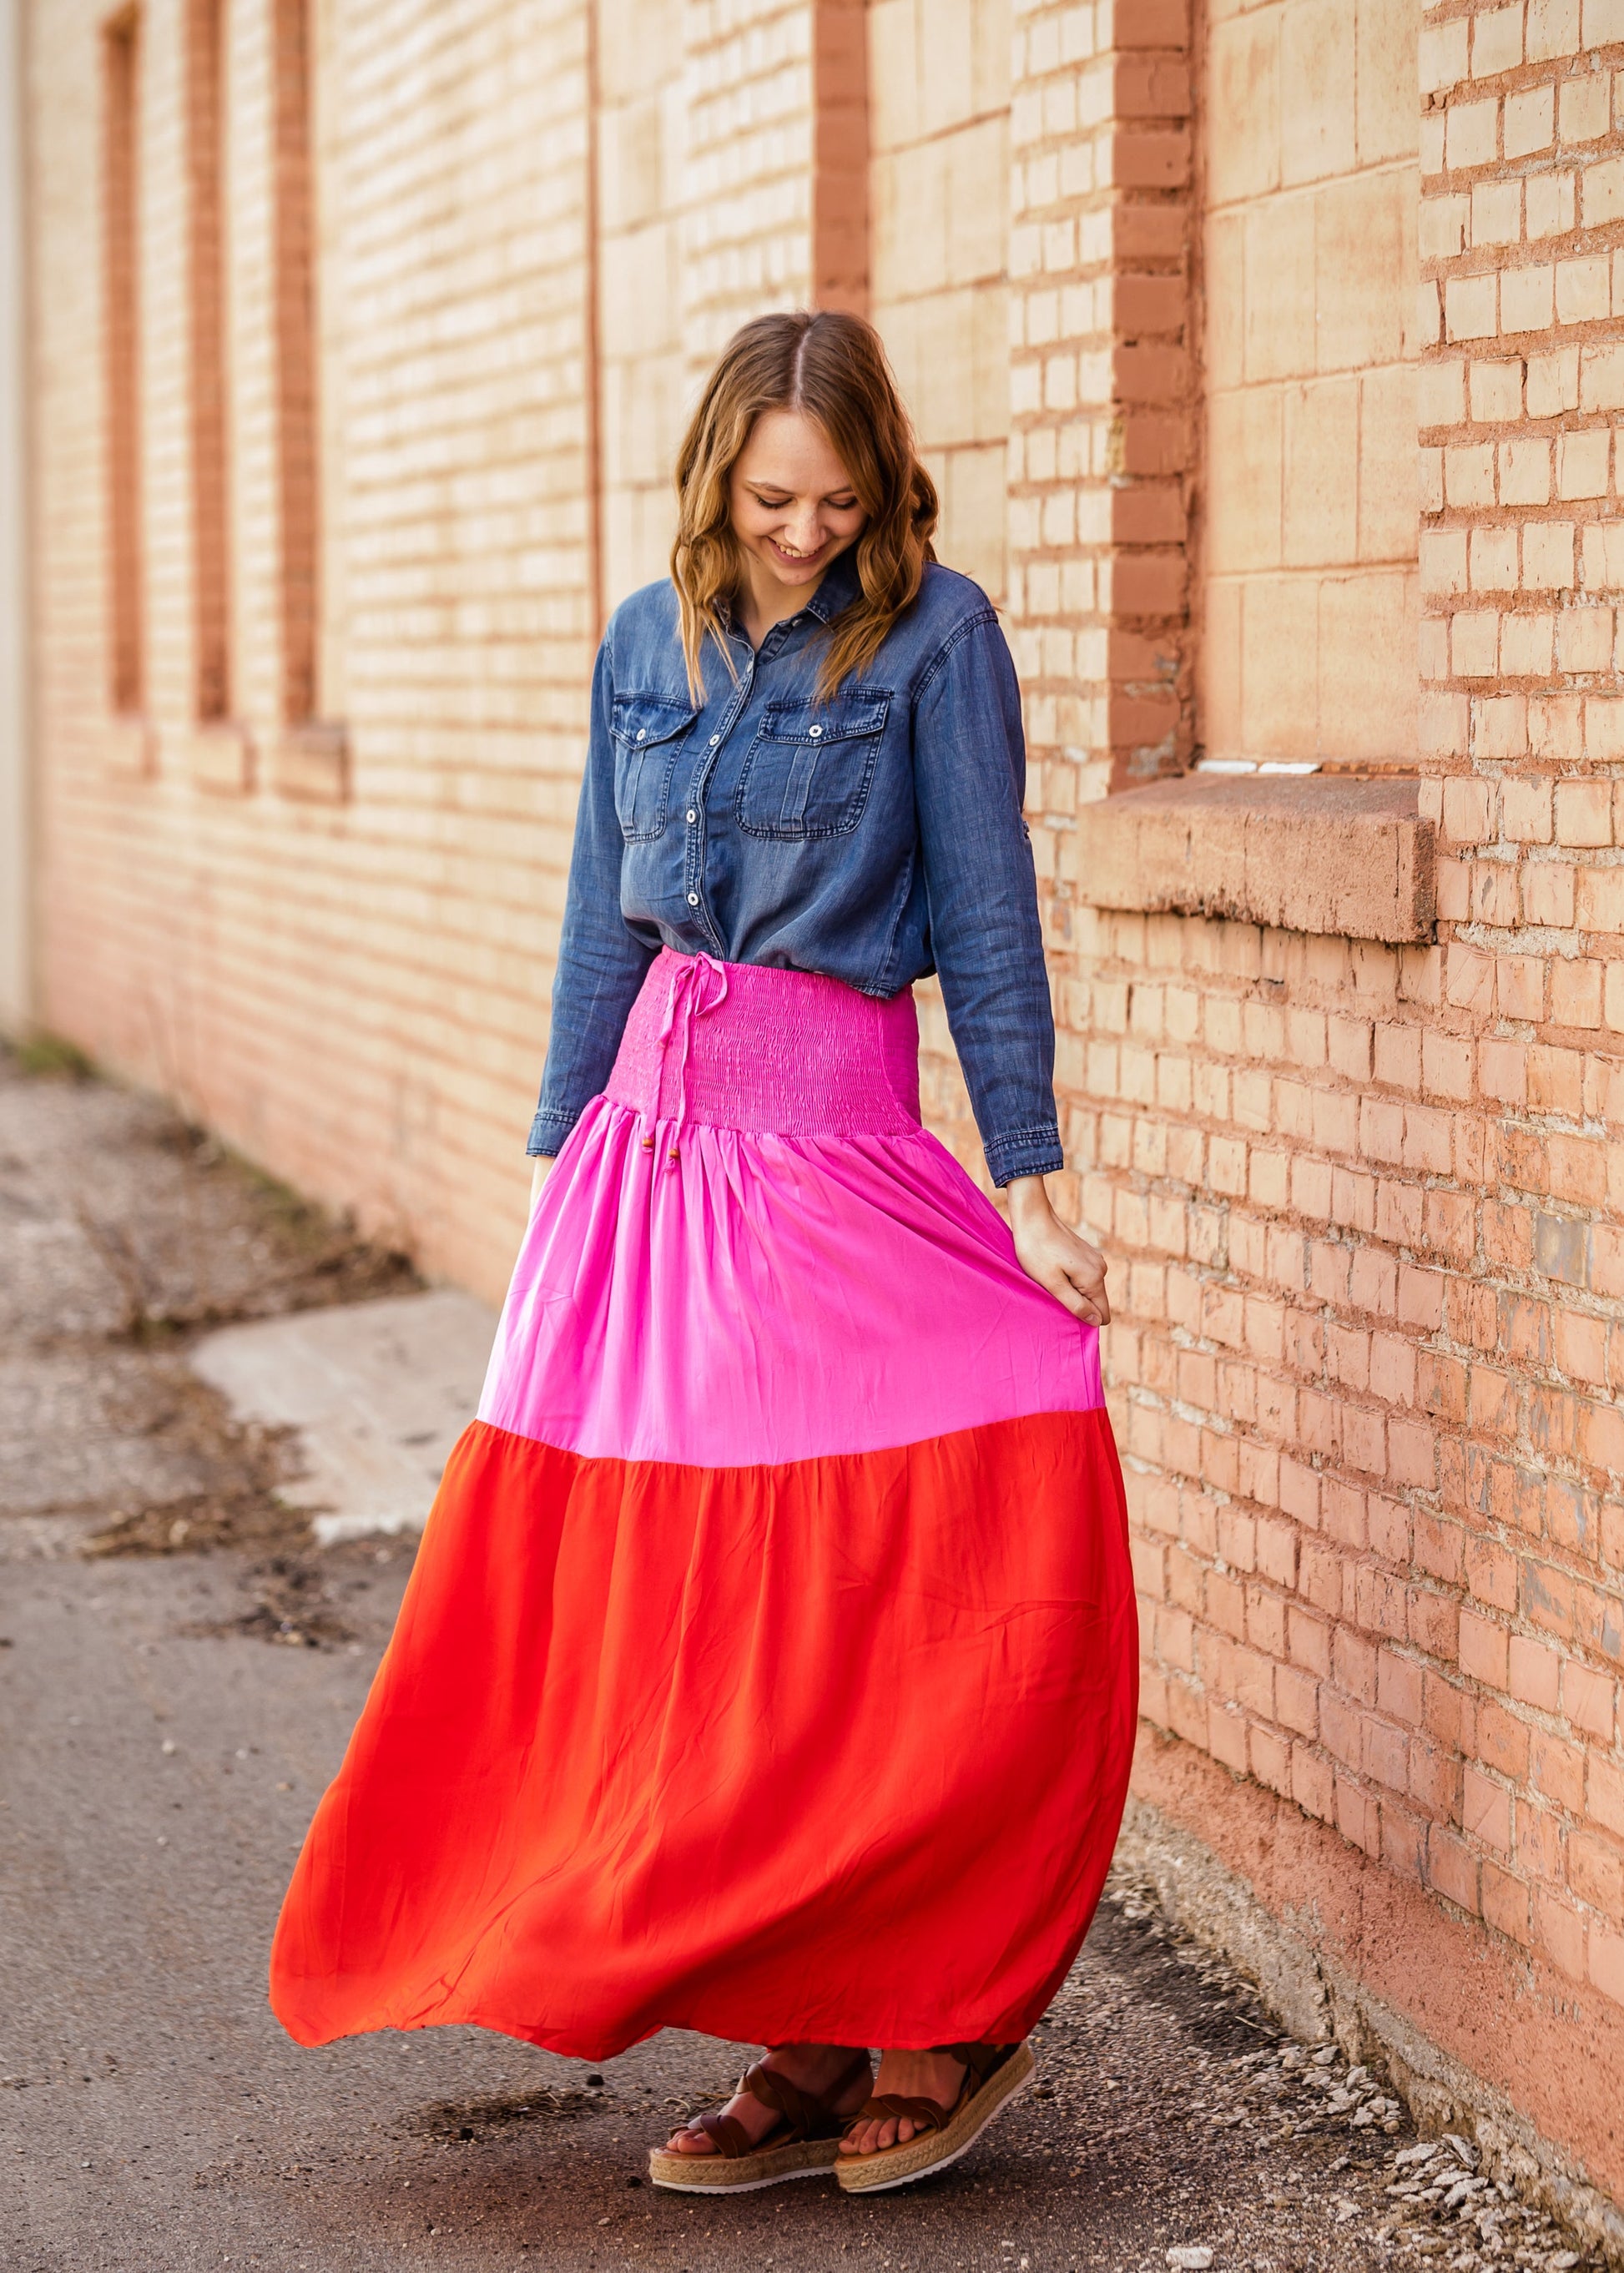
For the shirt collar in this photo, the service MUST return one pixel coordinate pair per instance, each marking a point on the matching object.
(839, 588)
(841, 585)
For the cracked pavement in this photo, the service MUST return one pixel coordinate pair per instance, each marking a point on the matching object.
(180, 1666)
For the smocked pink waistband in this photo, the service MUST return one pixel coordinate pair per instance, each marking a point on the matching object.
(734, 1046)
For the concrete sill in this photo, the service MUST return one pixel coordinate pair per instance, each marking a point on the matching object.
(311, 762)
(1318, 852)
(218, 757)
(128, 748)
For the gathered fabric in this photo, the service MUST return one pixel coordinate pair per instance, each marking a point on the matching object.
(686, 978)
(768, 1666)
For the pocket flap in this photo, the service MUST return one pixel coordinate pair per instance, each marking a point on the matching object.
(863, 711)
(641, 719)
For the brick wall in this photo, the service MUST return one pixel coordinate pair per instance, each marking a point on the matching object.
(1522, 224)
(643, 380)
(1156, 311)
(939, 79)
(1364, 1200)
(746, 236)
(353, 992)
(1100, 383)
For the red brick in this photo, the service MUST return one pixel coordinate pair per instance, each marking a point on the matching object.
(1483, 1650)
(1312, 1784)
(1606, 1962)
(1452, 1868)
(1534, 1675)
(1559, 1931)
(1491, 1574)
(1557, 1771)
(1590, 1700)
(1596, 1871)
(1502, 1742)
(1505, 1903)
(1270, 1761)
(1398, 1688)
(1486, 1811)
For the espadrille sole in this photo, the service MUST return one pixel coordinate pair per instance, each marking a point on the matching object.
(744, 2174)
(934, 2151)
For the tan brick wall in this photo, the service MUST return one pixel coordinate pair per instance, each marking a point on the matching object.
(939, 79)
(1309, 513)
(643, 380)
(354, 993)
(1522, 171)
(747, 228)
(1100, 382)
(1366, 1204)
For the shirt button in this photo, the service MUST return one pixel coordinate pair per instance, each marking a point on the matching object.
(643, 733)
(715, 738)
(693, 899)
(692, 815)
(815, 731)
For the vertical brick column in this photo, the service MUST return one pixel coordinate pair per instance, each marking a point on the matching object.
(206, 256)
(1523, 573)
(121, 53)
(1100, 150)
(839, 202)
(774, 101)
(1100, 145)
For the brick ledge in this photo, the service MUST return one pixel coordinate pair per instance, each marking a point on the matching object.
(1317, 852)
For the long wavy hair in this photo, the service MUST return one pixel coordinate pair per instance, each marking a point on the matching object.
(831, 367)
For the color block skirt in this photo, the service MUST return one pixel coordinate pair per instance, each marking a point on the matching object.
(769, 1663)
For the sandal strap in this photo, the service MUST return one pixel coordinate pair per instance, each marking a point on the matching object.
(795, 2109)
(980, 2061)
(801, 2114)
(804, 2114)
(728, 2136)
(925, 2114)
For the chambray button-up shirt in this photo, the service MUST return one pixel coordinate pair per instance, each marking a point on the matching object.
(873, 838)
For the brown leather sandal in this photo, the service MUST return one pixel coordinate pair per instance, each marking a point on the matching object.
(994, 2074)
(802, 2143)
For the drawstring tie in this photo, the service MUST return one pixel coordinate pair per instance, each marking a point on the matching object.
(687, 998)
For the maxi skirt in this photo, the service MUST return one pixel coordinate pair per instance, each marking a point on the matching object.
(769, 1663)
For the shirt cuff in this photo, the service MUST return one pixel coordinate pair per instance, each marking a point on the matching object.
(548, 1131)
(1025, 1152)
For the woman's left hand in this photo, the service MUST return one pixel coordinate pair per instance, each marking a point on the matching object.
(1050, 1252)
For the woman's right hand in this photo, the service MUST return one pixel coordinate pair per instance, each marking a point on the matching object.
(539, 1170)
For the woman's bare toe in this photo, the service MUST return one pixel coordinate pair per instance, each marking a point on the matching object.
(935, 2076)
(870, 2138)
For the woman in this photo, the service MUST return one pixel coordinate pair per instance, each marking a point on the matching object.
(768, 1667)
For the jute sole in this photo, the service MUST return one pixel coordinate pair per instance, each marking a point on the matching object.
(715, 2174)
(934, 2151)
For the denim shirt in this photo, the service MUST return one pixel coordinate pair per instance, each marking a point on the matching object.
(873, 838)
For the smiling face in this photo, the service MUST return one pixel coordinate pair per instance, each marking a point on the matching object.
(792, 508)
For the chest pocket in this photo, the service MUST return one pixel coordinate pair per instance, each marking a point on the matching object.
(648, 731)
(811, 765)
